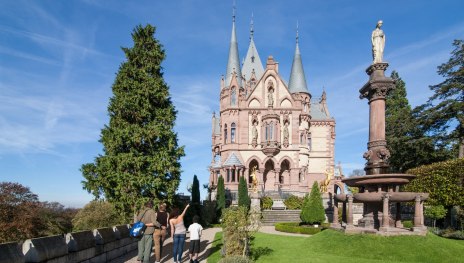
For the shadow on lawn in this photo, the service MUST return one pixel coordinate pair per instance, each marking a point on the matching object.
(210, 250)
(260, 251)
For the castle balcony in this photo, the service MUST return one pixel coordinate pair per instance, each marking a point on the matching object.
(270, 148)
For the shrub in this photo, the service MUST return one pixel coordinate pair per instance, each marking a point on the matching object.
(266, 202)
(296, 228)
(208, 212)
(407, 224)
(221, 197)
(96, 214)
(294, 202)
(235, 259)
(313, 210)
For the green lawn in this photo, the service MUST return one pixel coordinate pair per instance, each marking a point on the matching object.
(333, 246)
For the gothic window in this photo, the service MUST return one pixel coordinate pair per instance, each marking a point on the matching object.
(308, 140)
(225, 133)
(232, 133)
(233, 96)
(233, 175)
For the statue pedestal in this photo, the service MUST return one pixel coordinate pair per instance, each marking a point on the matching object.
(255, 210)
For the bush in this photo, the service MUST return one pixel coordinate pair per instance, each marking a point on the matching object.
(96, 214)
(208, 212)
(243, 198)
(294, 202)
(296, 228)
(266, 202)
(407, 224)
(235, 259)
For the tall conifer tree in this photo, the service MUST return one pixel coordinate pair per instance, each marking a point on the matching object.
(243, 198)
(141, 155)
(409, 145)
(444, 111)
(220, 196)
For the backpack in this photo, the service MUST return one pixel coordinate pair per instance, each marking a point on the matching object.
(138, 228)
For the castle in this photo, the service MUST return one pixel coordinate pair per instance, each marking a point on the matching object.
(271, 128)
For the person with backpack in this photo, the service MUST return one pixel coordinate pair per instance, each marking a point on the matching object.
(145, 244)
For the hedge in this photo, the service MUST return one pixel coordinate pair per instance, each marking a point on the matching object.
(292, 227)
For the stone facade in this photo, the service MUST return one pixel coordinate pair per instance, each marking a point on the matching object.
(275, 127)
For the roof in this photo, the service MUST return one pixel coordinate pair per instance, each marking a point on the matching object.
(319, 110)
(297, 82)
(233, 64)
(233, 160)
(252, 61)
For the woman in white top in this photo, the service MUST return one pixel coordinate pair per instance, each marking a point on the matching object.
(178, 232)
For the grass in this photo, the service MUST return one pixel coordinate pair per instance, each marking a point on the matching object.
(333, 246)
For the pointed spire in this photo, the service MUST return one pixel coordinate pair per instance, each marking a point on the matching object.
(252, 60)
(297, 82)
(233, 64)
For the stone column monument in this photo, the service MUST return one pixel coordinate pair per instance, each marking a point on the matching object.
(376, 90)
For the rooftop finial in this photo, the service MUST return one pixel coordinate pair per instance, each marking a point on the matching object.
(297, 27)
(233, 11)
(251, 26)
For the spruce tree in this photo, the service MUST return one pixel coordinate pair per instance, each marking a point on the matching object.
(195, 190)
(313, 211)
(444, 111)
(243, 198)
(141, 155)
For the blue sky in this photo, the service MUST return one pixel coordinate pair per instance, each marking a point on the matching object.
(58, 60)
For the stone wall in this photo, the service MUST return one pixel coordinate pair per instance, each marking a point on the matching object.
(99, 245)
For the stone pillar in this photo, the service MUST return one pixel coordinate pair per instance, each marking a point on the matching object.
(398, 215)
(335, 222)
(376, 90)
(349, 216)
(385, 213)
(417, 213)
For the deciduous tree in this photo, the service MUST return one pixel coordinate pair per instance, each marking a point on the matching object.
(140, 157)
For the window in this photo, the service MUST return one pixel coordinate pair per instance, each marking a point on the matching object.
(228, 175)
(301, 138)
(225, 133)
(233, 175)
(305, 107)
(233, 95)
(269, 131)
(309, 142)
(232, 133)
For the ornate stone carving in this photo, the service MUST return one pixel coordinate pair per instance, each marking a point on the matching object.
(367, 155)
(383, 154)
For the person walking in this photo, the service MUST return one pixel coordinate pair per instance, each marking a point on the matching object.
(195, 234)
(145, 244)
(178, 232)
(160, 232)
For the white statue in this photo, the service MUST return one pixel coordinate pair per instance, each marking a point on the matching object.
(378, 43)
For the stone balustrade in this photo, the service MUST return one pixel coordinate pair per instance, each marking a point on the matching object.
(99, 245)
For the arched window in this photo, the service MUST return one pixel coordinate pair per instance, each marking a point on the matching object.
(225, 133)
(233, 97)
(269, 131)
(232, 133)
(305, 107)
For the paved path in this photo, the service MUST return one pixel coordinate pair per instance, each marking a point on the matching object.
(206, 240)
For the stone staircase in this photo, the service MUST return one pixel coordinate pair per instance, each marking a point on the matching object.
(270, 217)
